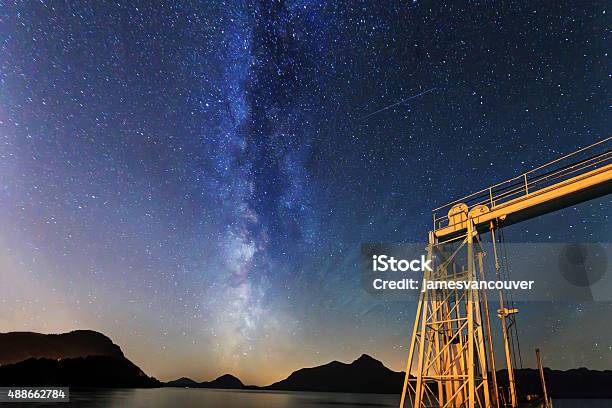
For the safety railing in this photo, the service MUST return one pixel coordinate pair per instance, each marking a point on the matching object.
(588, 158)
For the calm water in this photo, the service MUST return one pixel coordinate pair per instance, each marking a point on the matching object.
(186, 398)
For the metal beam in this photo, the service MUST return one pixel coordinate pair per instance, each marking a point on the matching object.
(584, 187)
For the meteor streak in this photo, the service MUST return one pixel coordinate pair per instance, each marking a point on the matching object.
(398, 103)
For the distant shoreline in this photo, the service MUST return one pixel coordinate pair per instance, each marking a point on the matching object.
(87, 360)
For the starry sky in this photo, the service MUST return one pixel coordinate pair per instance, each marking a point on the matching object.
(195, 180)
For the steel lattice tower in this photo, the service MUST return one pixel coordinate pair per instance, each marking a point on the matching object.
(451, 361)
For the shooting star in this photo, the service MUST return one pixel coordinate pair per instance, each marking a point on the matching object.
(397, 103)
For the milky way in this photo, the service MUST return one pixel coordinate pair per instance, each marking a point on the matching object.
(195, 180)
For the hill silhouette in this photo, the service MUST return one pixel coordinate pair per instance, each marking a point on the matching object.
(19, 346)
(90, 371)
(368, 375)
(182, 382)
(81, 358)
(226, 381)
(86, 358)
(574, 383)
(364, 375)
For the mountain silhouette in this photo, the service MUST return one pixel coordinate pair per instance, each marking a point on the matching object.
(86, 358)
(182, 382)
(226, 381)
(81, 358)
(368, 375)
(19, 346)
(90, 371)
(574, 383)
(364, 375)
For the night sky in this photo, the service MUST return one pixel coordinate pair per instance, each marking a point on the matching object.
(195, 180)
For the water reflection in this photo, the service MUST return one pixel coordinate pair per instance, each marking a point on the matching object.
(193, 397)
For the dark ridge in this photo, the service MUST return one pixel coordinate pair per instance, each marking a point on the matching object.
(181, 382)
(81, 358)
(364, 375)
(86, 358)
(19, 346)
(225, 381)
(575, 383)
(90, 371)
(368, 375)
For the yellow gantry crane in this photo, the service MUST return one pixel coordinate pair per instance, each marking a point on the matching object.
(451, 362)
